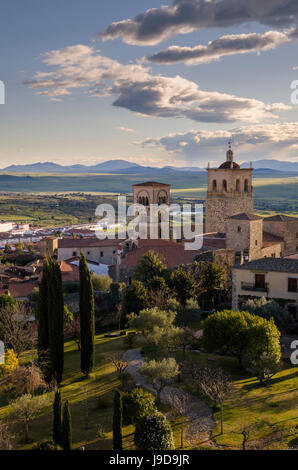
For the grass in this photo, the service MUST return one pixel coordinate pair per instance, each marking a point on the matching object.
(272, 410)
(82, 392)
(83, 395)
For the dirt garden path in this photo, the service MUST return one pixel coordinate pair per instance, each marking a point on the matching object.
(200, 421)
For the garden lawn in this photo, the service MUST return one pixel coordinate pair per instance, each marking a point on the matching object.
(272, 410)
(83, 396)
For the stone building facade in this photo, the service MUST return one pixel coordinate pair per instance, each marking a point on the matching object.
(148, 194)
(285, 227)
(229, 192)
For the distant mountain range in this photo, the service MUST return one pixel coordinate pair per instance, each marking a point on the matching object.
(125, 167)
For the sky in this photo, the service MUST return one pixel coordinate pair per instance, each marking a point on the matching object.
(152, 82)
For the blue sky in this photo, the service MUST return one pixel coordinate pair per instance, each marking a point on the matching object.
(195, 107)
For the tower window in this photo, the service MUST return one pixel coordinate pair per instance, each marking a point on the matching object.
(238, 186)
(246, 186)
(256, 242)
(239, 229)
(224, 185)
(214, 185)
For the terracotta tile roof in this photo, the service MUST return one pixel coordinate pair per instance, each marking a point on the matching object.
(152, 184)
(19, 289)
(173, 256)
(246, 216)
(269, 239)
(87, 242)
(69, 272)
(158, 242)
(281, 218)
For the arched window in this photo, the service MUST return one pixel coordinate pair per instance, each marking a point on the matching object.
(214, 185)
(140, 200)
(146, 201)
(224, 185)
(238, 186)
(246, 186)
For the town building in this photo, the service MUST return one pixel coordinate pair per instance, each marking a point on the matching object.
(229, 192)
(95, 250)
(272, 278)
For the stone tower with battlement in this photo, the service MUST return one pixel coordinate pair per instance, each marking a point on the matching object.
(229, 192)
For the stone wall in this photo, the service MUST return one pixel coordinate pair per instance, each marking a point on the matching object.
(288, 230)
(221, 206)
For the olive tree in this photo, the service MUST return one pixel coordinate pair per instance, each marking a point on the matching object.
(159, 373)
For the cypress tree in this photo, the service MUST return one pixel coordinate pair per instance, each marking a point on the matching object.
(57, 422)
(56, 320)
(87, 320)
(117, 421)
(66, 428)
(42, 313)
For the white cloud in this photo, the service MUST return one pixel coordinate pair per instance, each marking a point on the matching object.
(125, 129)
(186, 16)
(141, 92)
(224, 46)
(277, 141)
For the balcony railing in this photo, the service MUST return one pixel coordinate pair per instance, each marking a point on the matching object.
(250, 286)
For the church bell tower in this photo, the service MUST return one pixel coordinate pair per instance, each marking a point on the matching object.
(229, 192)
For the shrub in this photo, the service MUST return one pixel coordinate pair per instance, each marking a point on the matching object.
(154, 432)
(269, 309)
(137, 404)
(130, 339)
(11, 362)
(103, 402)
(7, 301)
(27, 379)
(46, 445)
(101, 283)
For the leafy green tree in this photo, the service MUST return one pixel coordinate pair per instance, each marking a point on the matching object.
(165, 339)
(153, 432)
(158, 283)
(66, 428)
(264, 339)
(116, 292)
(7, 249)
(42, 315)
(19, 247)
(136, 298)
(50, 320)
(137, 404)
(241, 334)
(269, 309)
(183, 284)
(25, 409)
(159, 373)
(57, 421)
(265, 367)
(228, 332)
(211, 279)
(150, 265)
(117, 421)
(56, 320)
(101, 283)
(87, 318)
(150, 318)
